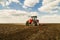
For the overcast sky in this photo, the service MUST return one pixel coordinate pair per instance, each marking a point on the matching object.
(18, 11)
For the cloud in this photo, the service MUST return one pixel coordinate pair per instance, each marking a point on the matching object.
(14, 16)
(34, 13)
(46, 2)
(30, 3)
(17, 1)
(53, 7)
(18, 16)
(53, 12)
(7, 2)
(2, 2)
(50, 5)
(50, 19)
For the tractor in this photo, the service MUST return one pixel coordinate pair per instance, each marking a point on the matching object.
(33, 21)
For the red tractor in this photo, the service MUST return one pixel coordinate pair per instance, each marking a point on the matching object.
(33, 21)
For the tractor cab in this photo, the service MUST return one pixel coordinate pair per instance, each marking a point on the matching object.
(34, 17)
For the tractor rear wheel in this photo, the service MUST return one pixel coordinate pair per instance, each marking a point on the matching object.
(27, 23)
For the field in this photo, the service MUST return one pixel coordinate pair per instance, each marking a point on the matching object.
(22, 32)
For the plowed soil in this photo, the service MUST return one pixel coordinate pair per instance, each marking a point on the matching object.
(22, 32)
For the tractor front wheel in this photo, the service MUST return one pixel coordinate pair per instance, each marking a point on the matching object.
(34, 23)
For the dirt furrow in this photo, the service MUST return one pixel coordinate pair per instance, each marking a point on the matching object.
(22, 35)
(32, 37)
(22, 32)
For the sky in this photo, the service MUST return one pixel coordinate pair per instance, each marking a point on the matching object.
(19, 11)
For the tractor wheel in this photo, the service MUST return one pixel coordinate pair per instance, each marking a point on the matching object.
(27, 23)
(34, 23)
(38, 23)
